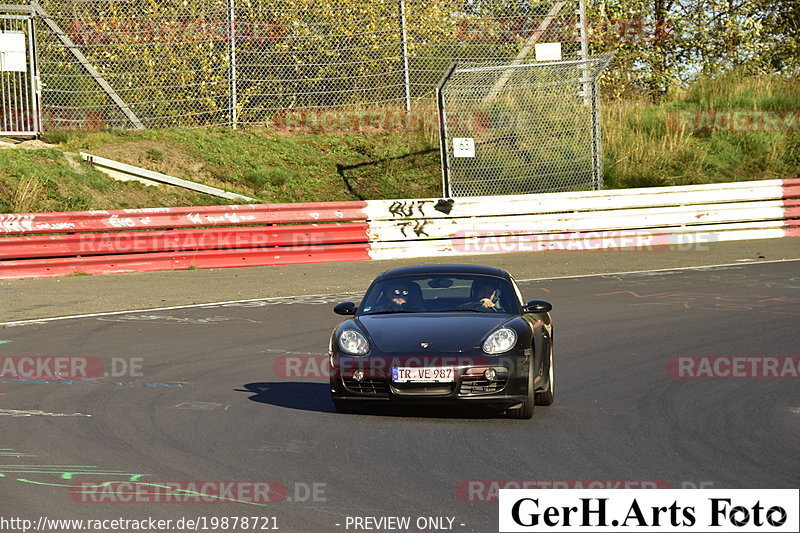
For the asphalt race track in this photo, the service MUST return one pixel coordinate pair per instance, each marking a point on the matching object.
(209, 402)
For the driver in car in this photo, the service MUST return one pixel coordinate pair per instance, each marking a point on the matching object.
(487, 296)
(484, 297)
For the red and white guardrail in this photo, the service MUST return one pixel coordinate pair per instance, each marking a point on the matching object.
(642, 218)
(57, 244)
(179, 238)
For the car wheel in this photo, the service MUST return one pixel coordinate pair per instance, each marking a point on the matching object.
(547, 396)
(525, 411)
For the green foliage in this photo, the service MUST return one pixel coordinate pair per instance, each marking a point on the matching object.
(170, 59)
(281, 167)
(154, 154)
(43, 180)
(641, 147)
(698, 38)
(56, 137)
(265, 178)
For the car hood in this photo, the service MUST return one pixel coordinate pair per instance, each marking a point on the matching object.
(445, 332)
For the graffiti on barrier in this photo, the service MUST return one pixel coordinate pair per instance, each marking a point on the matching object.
(410, 208)
(414, 228)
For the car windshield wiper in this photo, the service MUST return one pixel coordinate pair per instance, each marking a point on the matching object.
(461, 311)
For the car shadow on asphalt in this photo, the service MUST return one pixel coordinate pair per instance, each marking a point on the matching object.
(292, 395)
(307, 396)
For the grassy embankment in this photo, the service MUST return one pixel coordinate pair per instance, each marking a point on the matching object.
(639, 149)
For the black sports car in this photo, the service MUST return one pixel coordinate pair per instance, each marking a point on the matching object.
(444, 334)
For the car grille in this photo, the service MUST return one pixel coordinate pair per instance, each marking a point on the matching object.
(367, 386)
(423, 389)
(481, 386)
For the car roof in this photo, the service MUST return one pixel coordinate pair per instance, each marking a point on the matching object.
(444, 269)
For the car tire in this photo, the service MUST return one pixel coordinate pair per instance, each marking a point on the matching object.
(547, 396)
(525, 411)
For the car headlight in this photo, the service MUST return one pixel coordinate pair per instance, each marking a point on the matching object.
(500, 341)
(353, 342)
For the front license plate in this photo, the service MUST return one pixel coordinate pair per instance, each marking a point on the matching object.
(422, 374)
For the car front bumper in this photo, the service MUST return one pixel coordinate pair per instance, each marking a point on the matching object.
(369, 380)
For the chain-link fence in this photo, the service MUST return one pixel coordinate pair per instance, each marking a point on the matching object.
(19, 105)
(523, 127)
(157, 63)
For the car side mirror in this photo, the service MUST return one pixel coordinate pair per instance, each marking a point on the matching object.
(345, 308)
(537, 306)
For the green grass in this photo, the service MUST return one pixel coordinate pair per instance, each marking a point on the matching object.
(277, 166)
(643, 144)
(45, 180)
(640, 148)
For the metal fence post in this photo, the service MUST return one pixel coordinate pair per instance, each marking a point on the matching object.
(597, 142)
(35, 81)
(584, 53)
(232, 83)
(404, 51)
(443, 128)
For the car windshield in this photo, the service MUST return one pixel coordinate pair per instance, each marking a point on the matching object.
(440, 293)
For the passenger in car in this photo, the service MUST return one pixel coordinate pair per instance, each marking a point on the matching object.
(401, 296)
